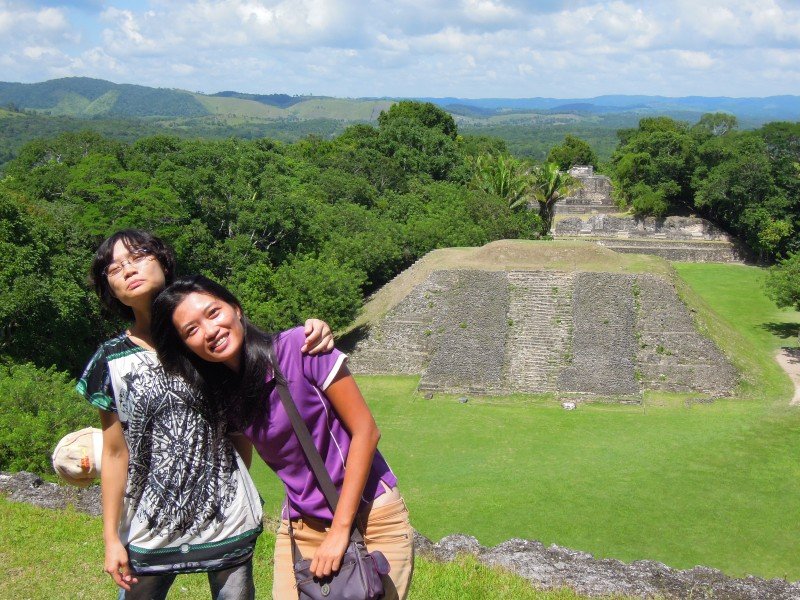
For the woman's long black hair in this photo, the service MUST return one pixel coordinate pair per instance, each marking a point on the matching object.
(241, 394)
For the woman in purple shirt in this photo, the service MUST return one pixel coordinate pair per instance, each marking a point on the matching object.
(197, 318)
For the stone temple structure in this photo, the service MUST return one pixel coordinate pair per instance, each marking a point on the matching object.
(594, 195)
(577, 334)
(591, 214)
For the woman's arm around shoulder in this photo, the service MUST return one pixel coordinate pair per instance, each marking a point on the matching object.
(319, 337)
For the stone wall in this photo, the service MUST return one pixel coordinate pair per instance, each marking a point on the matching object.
(673, 238)
(554, 567)
(470, 333)
(669, 228)
(671, 354)
(680, 251)
(603, 340)
(573, 334)
(403, 342)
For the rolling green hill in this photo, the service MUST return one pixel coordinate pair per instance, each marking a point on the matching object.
(86, 97)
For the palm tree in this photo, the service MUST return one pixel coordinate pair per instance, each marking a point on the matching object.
(504, 176)
(549, 185)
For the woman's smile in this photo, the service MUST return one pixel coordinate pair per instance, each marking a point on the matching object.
(220, 344)
(211, 328)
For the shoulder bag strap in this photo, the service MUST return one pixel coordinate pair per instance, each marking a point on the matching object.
(314, 459)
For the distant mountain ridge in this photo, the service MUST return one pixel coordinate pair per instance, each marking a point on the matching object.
(88, 97)
(767, 108)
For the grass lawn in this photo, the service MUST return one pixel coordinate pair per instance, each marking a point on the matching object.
(715, 484)
(59, 555)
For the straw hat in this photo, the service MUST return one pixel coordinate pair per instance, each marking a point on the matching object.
(77, 456)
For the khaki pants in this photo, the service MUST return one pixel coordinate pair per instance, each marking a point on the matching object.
(387, 529)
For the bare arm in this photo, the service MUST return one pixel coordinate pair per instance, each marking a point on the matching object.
(349, 404)
(113, 479)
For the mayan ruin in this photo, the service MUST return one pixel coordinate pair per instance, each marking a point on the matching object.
(576, 334)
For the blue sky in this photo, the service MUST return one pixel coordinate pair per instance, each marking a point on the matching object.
(465, 48)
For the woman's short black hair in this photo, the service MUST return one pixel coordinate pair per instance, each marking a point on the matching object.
(133, 239)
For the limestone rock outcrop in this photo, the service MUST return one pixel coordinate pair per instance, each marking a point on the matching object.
(555, 567)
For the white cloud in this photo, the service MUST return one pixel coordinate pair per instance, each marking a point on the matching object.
(20, 20)
(694, 60)
(570, 48)
(489, 12)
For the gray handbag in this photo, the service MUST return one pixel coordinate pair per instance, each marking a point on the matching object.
(359, 577)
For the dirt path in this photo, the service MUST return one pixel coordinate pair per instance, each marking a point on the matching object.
(789, 360)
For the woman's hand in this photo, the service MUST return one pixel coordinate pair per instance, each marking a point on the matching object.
(328, 557)
(117, 565)
(319, 337)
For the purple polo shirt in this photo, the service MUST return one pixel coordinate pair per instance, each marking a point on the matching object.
(273, 437)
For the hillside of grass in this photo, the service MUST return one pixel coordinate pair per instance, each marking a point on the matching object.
(86, 97)
(339, 108)
(220, 105)
(10, 114)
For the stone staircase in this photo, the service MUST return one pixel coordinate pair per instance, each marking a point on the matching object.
(539, 327)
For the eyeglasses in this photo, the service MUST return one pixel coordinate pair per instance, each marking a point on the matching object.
(136, 258)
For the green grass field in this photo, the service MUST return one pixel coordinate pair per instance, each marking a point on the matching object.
(675, 481)
(681, 483)
(59, 555)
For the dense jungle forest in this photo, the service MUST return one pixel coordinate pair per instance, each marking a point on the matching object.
(310, 228)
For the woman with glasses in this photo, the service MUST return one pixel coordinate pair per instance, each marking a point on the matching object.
(177, 496)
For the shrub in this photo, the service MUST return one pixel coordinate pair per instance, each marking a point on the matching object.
(37, 408)
(647, 201)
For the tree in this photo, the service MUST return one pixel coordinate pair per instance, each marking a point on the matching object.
(572, 151)
(418, 148)
(716, 124)
(783, 283)
(39, 407)
(660, 153)
(550, 184)
(43, 297)
(426, 114)
(735, 187)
